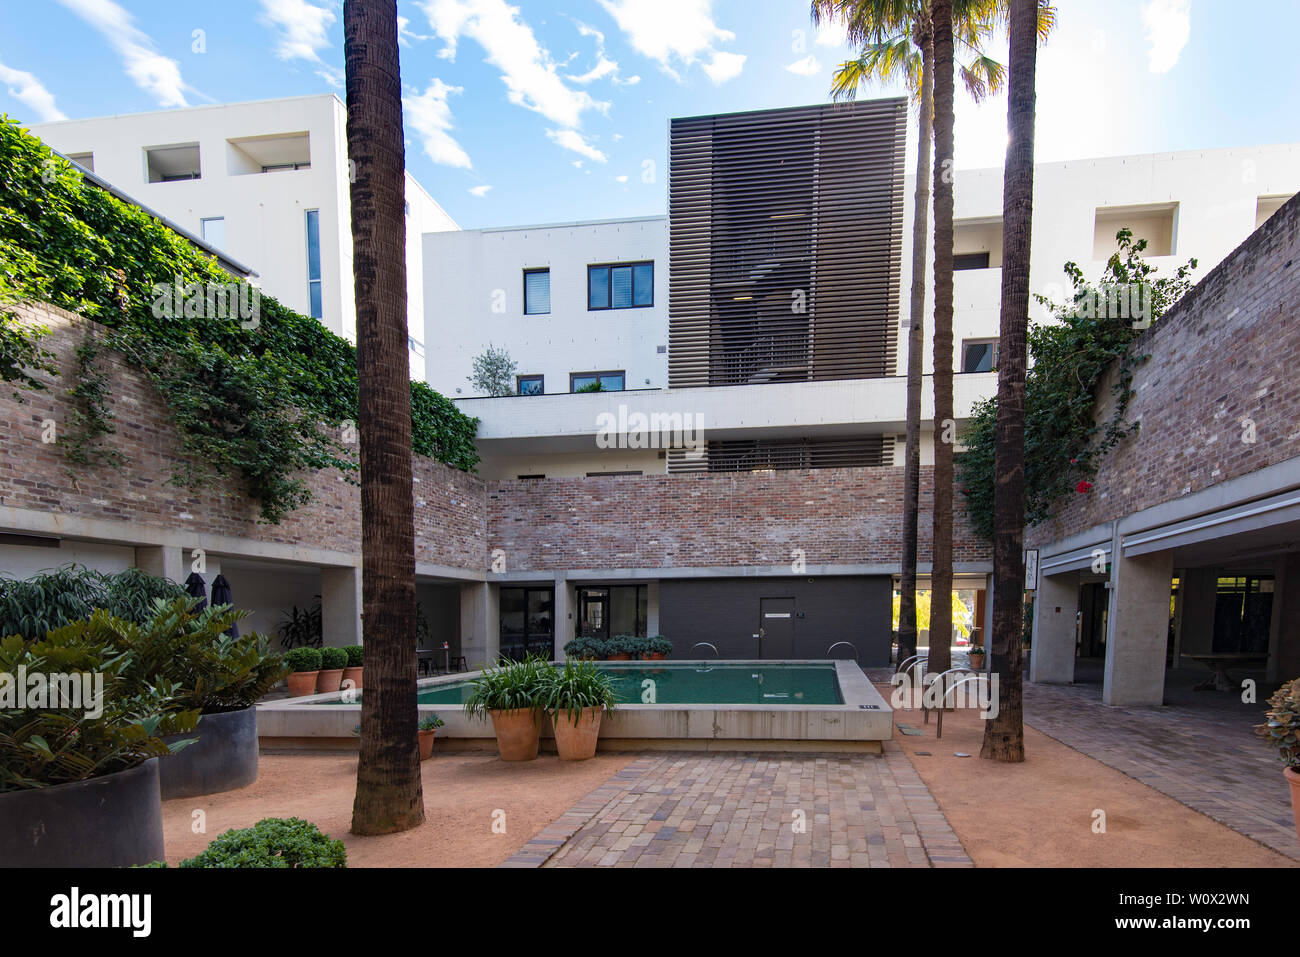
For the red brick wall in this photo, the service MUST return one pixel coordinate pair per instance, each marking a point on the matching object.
(1230, 350)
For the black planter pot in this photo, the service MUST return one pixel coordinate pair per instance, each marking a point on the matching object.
(223, 758)
(109, 821)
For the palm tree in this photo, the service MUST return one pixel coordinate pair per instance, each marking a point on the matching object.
(1004, 738)
(894, 39)
(389, 795)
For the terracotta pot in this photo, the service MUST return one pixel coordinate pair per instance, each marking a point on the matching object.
(977, 662)
(1293, 778)
(517, 734)
(353, 675)
(329, 679)
(657, 656)
(426, 743)
(576, 741)
(619, 658)
(302, 682)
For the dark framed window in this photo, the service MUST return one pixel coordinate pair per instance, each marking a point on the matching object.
(315, 292)
(596, 381)
(970, 261)
(537, 292)
(616, 610)
(530, 384)
(979, 355)
(621, 286)
(527, 622)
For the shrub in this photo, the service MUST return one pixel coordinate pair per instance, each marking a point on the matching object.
(333, 658)
(621, 645)
(355, 655)
(575, 686)
(32, 606)
(303, 659)
(513, 686)
(975, 650)
(430, 722)
(273, 842)
(1283, 727)
(585, 648)
(636, 646)
(303, 627)
(659, 645)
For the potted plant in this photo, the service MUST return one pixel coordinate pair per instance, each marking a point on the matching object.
(352, 671)
(511, 696)
(977, 657)
(332, 663)
(428, 729)
(637, 646)
(619, 648)
(658, 648)
(585, 648)
(577, 697)
(305, 663)
(1283, 732)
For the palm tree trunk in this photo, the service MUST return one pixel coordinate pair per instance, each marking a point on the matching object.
(1004, 735)
(944, 426)
(389, 795)
(915, 348)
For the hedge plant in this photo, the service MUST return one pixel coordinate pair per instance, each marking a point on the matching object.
(333, 659)
(303, 659)
(356, 655)
(273, 842)
(256, 402)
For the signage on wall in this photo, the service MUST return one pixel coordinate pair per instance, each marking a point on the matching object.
(1031, 569)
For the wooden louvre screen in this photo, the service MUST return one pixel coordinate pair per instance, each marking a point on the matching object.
(756, 455)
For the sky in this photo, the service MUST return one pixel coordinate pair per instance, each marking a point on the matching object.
(544, 111)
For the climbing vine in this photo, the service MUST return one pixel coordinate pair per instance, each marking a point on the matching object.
(1069, 358)
(260, 400)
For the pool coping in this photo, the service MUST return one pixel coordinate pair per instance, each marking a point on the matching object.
(861, 723)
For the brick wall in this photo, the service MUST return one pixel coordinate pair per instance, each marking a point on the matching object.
(1229, 351)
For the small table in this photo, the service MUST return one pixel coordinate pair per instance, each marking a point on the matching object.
(1219, 664)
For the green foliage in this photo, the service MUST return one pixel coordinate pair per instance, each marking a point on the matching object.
(494, 372)
(273, 842)
(512, 686)
(33, 606)
(658, 645)
(635, 645)
(622, 645)
(430, 722)
(303, 627)
(975, 650)
(356, 654)
(1070, 357)
(303, 659)
(262, 400)
(1282, 730)
(332, 659)
(596, 386)
(90, 420)
(579, 684)
(585, 648)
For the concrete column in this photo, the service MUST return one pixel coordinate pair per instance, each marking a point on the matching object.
(480, 623)
(1056, 606)
(562, 614)
(652, 609)
(340, 605)
(1137, 629)
(1284, 643)
(163, 561)
(1196, 600)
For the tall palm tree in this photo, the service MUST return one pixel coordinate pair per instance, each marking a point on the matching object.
(894, 40)
(1004, 735)
(389, 795)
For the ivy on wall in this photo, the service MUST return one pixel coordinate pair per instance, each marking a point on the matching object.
(1069, 358)
(263, 399)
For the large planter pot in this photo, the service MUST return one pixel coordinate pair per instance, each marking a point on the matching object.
(353, 675)
(619, 658)
(517, 734)
(426, 744)
(109, 821)
(977, 662)
(223, 758)
(576, 740)
(1293, 778)
(329, 679)
(301, 682)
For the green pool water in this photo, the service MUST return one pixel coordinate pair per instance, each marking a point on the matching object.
(698, 684)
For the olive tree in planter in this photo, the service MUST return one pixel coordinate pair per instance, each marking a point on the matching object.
(1282, 730)
(305, 663)
(511, 695)
(577, 697)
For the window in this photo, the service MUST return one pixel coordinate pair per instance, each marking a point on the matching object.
(168, 164)
(85, 160)
(970, 261)
(530, 385)
(596, 381)
(314, 293)
(277, 153)
(214, 231)
(614, 474)
(630, 286)
(527, 622)
(1157, 224)
(415, 345)
(977, 243)
(979, 355)
(537, 292)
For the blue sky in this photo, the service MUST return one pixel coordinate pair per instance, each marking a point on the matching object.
(556, 110)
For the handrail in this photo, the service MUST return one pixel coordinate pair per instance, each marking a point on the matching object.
(706, 645)
(838, 643)
(930, 680)
(974, 676)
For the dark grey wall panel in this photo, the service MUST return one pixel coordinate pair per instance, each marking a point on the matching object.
(725, 612)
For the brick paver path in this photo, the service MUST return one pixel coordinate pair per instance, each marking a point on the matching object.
(743, 810)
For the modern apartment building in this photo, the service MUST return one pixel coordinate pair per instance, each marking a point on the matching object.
(267, 182)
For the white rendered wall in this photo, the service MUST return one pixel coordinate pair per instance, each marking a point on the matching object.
(22, 561)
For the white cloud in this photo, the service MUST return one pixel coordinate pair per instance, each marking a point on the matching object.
(529, 72)
(605, 67)
(154, 73)
(1168, 26)
(430, 117)
(479, 191)
(303, 33)
(808, 66)
(28, 90)
(620, 179)
(573, 140)
(677, 33)
(630, 81)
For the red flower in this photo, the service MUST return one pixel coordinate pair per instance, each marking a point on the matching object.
(1083, 488)
(1074, 461)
